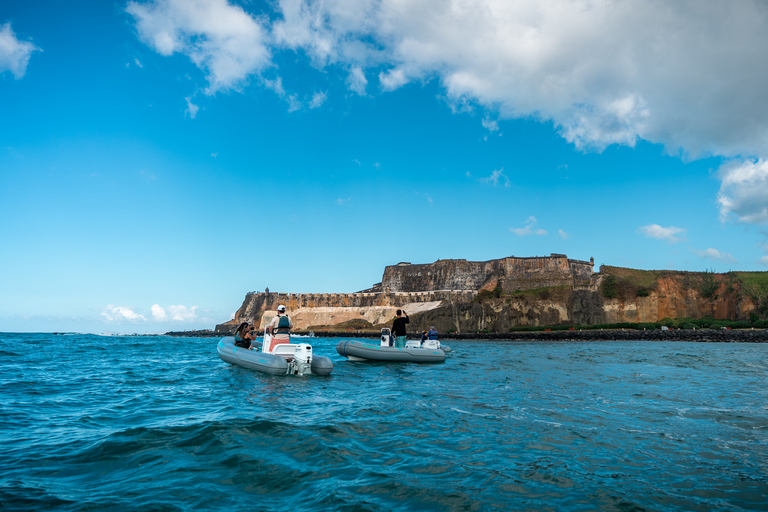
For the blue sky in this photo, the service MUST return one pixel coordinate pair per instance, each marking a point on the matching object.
(161, 158)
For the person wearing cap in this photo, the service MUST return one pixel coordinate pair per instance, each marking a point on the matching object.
(280, 327)
(432, 334)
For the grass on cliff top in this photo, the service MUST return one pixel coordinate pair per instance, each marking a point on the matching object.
(755, 282)
(638, 278)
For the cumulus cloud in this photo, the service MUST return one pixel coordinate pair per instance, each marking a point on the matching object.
(529, 229)
(671, 234)
(174, 313)
(488, 124)
(191, 108)
(497, 177)
(14, 54)
(683, 74)
(604, 72)
(744, 191)
(356, 80)
(220, 38)
(714, 254)
(317, 99)
(114, 313)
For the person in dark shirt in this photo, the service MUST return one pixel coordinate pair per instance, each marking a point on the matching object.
(398, 328)
(244, 335)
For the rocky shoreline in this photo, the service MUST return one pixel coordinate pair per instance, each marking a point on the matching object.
(698, 335)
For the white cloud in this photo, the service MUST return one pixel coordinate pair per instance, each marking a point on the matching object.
(174, 313)
(342, 202)
(221, 39)
(317, 99)
(714, 254)
(191, 108)
(14, 54)
(159, 313)
(356, 80)
(393, 79)
(529, 229)
(744, 191)
(114, 313)
(604, 72)
(488, 124)
(138, 63)
(496, 177)
(671, 234)
(563, 234)
(684, 74)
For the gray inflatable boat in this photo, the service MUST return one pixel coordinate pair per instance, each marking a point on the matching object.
(283, 359)
(413, 352)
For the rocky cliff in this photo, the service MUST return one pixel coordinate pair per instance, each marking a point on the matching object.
(497, 295)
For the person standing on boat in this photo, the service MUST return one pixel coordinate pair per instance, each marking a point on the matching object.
(432, 334)
(280, 327)
(398, 328)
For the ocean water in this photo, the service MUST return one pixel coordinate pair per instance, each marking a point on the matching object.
(154, 423)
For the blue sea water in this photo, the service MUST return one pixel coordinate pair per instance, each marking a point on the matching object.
(155, 423)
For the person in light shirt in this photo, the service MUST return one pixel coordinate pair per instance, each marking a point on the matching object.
(280, 327)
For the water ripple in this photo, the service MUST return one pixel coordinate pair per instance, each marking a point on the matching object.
(145, 423)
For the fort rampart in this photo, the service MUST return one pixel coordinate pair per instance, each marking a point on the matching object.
(510, 274)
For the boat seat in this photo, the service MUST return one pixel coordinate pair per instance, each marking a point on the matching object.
(412, 344)
(284, 349)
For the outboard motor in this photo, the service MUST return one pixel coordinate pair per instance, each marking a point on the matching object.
(302, 359)
(433, 344)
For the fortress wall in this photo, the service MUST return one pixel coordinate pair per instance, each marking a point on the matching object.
(441, 275)
(511, 274)
(256, 305)
(544, 271)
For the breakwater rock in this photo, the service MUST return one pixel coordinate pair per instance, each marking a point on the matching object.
(698, 335)
(204, 333)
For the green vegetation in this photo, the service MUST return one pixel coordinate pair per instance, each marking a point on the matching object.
(679, 323)
(755, 286)
(709, 285)
(487, 294)
(628, 283)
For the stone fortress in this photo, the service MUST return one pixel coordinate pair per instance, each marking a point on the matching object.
(418, 289)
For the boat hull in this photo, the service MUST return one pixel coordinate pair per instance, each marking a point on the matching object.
(359, 351)
(267, 363)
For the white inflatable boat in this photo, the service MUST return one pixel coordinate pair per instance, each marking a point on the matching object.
(281, 359)
(414, 351)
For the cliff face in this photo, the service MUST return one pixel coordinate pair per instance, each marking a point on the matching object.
(497, 295)
(680, 296)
